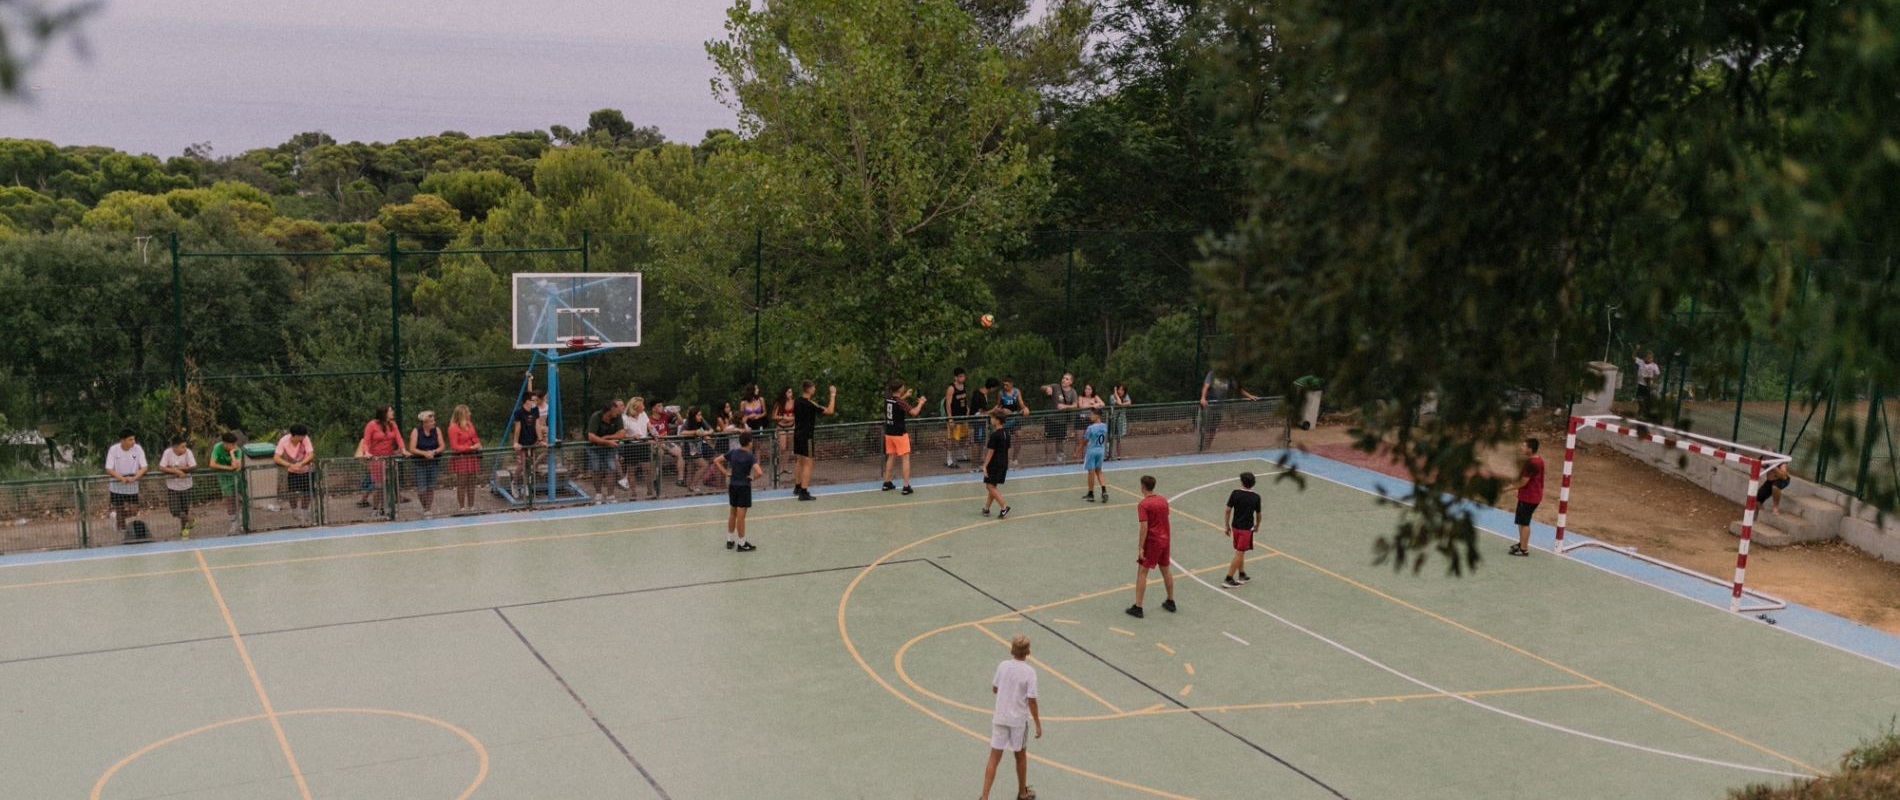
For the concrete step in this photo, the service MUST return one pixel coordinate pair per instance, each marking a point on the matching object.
(1782, 531)
(1825, 515)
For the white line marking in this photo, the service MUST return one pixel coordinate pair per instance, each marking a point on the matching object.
(1466, 700)
(1235, 638)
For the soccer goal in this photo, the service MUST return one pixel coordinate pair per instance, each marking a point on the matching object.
(1753, 460)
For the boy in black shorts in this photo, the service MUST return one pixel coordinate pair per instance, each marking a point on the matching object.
(804, 427)
(1242, 519)
(996, 463)
(1530, 492)
(741, 468)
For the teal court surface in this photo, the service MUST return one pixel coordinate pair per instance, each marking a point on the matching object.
(607, 654)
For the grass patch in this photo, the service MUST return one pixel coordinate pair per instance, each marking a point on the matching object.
(1870, 771)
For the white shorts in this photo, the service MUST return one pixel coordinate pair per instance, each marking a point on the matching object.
(1011, 738)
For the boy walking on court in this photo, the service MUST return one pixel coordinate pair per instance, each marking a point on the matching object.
(896, 439)
(996, 463)
(1015, 687)
(1530, 492)
(1242, 519)
(741, 468)
(1094, 447)
(1151, 525)
(804, 427)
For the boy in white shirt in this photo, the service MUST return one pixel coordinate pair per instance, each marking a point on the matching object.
(178, 462)
(126, 463)
(1015, 687)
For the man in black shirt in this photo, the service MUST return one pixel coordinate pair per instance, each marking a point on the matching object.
(604, 432)
(996, 463)
(956, 406)
(1242, 519)
(804, 426)
(896, 439)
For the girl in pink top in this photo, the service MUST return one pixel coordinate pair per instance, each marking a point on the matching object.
(382, 438)
(466, 461)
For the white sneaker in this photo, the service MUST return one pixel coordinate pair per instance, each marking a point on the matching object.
(622, 483)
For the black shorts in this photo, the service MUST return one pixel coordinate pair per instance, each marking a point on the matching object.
(739, 496)
(1768, 488)
(632, 453)
(1524, 512)
(299, 482)
(179, 500)
(801, 446)
(122, 500)
(995, 477)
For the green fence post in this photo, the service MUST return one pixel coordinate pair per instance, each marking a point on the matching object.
(395, 326)
(758, 294)
(1827, 427)
(178, 333)
(1068, 296)
(1741, 392)
(587, 365)
(79, 503)
(243, 493)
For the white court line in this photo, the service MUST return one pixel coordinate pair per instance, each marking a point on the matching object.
(1466, 700)
(1235, 638)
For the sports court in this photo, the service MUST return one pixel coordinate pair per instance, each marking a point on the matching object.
(608, 654)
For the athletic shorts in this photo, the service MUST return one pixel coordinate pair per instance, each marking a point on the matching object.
(632, 453)
(739, 496)
(299, 482)
(1014, 738)
(1768, 488)
(898, 445)
(1524, 512)
(1153, 554)
(1092, 459)
(801, 446)
(959, 432)
(995, 477)
(179, 501)
(121, 500)
(1243, 539)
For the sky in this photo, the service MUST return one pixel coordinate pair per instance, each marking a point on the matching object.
(160, 75)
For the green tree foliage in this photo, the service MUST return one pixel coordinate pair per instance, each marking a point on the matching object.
(472, 192)
(888, 164)
(27, 29)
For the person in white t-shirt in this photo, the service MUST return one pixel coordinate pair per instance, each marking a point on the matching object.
(1015, 687)
(636, 448)
(1648, 375)
(126, 463)
(177, 462)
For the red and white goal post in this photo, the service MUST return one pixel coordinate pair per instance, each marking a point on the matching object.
(1755, 460)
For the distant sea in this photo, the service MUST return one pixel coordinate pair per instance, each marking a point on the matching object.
(157, 86)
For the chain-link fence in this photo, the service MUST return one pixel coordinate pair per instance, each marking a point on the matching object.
(261, 495)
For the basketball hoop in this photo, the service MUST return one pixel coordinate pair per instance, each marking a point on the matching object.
(582, 342)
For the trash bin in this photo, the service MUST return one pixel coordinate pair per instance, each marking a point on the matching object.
(1309, 406)
(261, 482)
(1601, 389)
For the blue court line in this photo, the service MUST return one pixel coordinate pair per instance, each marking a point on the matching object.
(1819, 626)
(576, 511)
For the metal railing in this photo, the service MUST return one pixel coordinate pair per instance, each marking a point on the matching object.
(81, 512)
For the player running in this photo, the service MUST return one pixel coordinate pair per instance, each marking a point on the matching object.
(996, 463)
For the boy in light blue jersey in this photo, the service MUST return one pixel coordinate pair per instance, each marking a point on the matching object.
(1093, 448)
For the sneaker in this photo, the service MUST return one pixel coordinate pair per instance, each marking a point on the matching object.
(1168, 606)
(1230, 583)
(362, 504)
(888, 486)
(1519, 551)
(986, 511)
(1003, 513)
(730, 544)
(907, 490)
(1089, 497)
(950, 463)
(622, 483)
(1134, 611)
(185, 532)
(746, 547)
(1243, 577)
(803, 496)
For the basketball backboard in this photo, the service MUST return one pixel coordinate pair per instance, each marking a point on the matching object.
(556, 310)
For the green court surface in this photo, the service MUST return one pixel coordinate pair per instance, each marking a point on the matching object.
(629, 655)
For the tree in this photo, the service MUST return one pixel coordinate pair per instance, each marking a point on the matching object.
(27, 29)
(472, 193)
(886, 162)
(1444, 192)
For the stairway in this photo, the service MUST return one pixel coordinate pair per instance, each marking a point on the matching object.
(1803, 518)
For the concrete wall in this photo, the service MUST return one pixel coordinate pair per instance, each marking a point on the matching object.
(1861, 526)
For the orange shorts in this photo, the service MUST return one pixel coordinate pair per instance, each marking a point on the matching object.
(897, 445)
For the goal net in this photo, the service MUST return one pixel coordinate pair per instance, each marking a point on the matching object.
(1753, 460)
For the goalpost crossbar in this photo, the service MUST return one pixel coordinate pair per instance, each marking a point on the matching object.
(1754, 459)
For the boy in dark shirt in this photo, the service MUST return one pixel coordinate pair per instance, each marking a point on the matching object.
(1242, 519)
(996, 463)
(741, 468)
(805, 426)
(896, 437)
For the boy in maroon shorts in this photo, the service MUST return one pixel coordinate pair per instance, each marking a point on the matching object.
(1242, 519)
(1151, 523)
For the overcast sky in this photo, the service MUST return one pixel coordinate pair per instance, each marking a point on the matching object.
(163, 74)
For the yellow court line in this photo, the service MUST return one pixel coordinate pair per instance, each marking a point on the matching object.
(1189, 666)
(1164, 648)
(1008, 616)
(1122, 632)
(1187, 690)
(1052, 671)
(1066, 621)
(487, 542)
(1533, 656)
(256, 682)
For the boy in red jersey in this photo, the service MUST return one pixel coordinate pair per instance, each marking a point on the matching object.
(1530, 492)
(1151, 517)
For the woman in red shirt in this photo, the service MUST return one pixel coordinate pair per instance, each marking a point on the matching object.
(466, 462)
(382, 439)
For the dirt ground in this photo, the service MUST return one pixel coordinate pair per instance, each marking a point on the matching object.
(1616, 499)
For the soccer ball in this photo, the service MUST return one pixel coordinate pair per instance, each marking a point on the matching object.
(987, 320)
